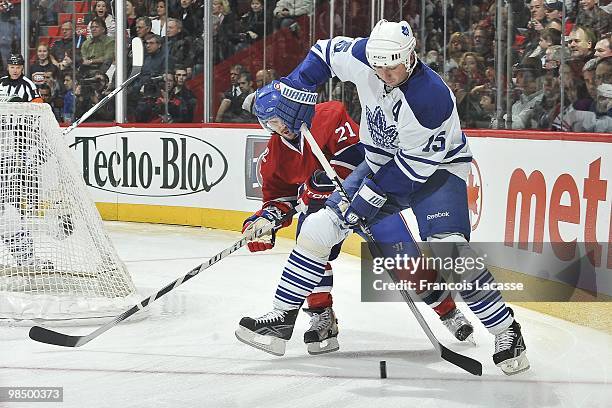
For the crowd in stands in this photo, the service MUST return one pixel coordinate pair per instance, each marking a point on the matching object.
(561, 56)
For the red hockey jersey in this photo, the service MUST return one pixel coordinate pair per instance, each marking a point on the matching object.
(285, 166)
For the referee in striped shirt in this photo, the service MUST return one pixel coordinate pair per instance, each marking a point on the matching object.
(16, 84)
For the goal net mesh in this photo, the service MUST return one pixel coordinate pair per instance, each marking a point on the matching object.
(56, 260)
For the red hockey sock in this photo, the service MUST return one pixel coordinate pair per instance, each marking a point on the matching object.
(319, 300)
(445, 306)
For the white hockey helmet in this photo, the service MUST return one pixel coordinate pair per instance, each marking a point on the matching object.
(391, 44)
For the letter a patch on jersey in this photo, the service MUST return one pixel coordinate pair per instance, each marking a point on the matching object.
(382, 135)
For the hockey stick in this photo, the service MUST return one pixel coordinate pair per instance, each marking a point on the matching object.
(137, 59)
(466, 363)
(44, 335)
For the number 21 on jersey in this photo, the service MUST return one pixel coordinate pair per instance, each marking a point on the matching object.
(342, 131)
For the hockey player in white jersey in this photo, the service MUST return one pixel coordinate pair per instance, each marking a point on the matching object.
(416, 157)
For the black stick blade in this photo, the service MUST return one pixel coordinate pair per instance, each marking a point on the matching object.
(468, 364)
(43, 335)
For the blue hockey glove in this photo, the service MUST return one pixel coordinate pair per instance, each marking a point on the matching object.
(315, 191)
(295, 106)
(366, 203)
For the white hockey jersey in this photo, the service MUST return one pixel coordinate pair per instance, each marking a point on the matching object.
(416, 124)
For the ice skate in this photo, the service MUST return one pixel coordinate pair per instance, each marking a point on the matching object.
(510, 350)
(322, 336)
(269, 332)
(459, 326)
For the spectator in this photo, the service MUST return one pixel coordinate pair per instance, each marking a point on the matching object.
(264, 77)
(45, 93)
(143, 27)
(89, 92)
(528, 83)
(484, 117)
(483, 44)
(555, 23)
(553, 57)
(147, 107)
(224, 23)
(101, 11)
(62, 49)
(600, 120)
(43, 64)
(153, 65)
(534, 26)
(69, 98)
(592, 16)
(548, 109)
(180, 99)
(234, 74)
(158, 24)
(191, 16)
(457, 45)
(179, 46)
(50, 79)
(459, 22)
(130, 12)
(254, 22)
(472, 65)
(548, 37)
(97, 52)
(603, 48)
(581, 43)
(554, 11)
(576, 98)
(603, 71)
(230, 109)
(588, 73)
(286, 12)
(45, 10)
(538, 15)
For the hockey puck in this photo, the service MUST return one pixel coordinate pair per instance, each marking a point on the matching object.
(383, 369)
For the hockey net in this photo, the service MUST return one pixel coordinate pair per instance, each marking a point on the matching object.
(57, 263)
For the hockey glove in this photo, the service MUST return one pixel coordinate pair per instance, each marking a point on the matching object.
(314, 192)
(295, 106)
(366, 203)
(270, 215)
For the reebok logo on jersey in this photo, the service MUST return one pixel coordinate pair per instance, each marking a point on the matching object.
(438, 215)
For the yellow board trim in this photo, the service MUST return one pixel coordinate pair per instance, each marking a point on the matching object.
(597, 315)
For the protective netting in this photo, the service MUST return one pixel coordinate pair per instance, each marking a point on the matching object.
(56, 260)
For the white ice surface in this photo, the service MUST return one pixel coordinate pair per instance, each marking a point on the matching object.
(185, 353)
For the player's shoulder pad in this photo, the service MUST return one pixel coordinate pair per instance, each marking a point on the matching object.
(428, 97)
(358, 50)
(330, 108)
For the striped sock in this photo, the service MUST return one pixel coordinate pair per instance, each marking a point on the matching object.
(327, 281)
(488, 305)
(303, 272)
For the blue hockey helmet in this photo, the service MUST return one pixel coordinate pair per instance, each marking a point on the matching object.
(266, 99)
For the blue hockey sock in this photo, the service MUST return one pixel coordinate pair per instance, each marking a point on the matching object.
(303, 272)
(487, 305)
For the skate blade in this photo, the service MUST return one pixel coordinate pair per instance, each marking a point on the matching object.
(269, 344)
(515, 365)
(322, 347)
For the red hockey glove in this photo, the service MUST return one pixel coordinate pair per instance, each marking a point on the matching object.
(315, 191)
(270, 215)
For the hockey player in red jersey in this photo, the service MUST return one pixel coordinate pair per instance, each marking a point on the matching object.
(291, 174)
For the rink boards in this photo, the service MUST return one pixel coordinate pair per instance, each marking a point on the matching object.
(525, 190)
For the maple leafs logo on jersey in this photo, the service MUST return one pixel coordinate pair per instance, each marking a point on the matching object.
(382, 135)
